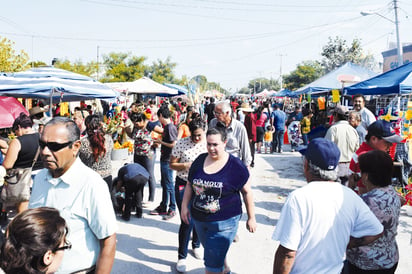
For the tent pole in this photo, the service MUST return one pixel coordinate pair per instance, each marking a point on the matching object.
(51, 103)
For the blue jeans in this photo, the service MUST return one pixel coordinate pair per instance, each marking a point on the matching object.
(216, 238)
(148, 164)
(184, 229)
(166, 182)
(305, 139)
(278, 140)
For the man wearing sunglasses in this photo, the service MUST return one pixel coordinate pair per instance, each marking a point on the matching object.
(81, 196)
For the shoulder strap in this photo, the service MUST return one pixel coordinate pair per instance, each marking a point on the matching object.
(35, 157)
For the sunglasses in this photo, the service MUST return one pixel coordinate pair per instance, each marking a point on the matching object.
(66, 246)
(53, 146)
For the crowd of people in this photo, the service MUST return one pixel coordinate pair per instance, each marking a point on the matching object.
(349, 207)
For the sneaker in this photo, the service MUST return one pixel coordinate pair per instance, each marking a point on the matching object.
(158, 211)
(181, 265)
(170, 214)
(196, 253)
(147, 204)
(126, 217)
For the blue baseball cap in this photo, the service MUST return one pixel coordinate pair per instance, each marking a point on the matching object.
(322, 153)
(382, 129)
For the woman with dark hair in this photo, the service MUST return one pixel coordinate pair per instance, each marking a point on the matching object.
(183, 155)
(143, 152)
(21, 155)
(35, 242)
(261, 119)
(382, 255)
(183, 129)
(96, 149)
(215, 182)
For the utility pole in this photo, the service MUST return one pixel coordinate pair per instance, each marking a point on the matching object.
(280, 71)
(398, 40)
(97, 73)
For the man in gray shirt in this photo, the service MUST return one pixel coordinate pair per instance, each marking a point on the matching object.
(237, 141)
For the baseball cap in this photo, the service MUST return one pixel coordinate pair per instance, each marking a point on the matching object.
(322, 153)
(339, 109)
(382, 129)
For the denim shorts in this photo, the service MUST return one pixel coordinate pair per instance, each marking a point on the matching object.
(216, 238)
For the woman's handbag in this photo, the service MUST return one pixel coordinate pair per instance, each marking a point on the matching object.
(16, 180)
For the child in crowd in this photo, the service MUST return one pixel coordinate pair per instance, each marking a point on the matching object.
(294, 135)
(305, 127)
(267, 139)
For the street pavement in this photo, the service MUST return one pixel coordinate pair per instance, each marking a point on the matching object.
(149, 245)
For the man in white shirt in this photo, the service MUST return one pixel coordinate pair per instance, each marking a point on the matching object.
(367, 117)
(319, 220)
(81, 196)
(345, 137)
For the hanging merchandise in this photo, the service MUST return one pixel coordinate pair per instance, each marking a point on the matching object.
(321, 103)
(335, 96)
(64, 108)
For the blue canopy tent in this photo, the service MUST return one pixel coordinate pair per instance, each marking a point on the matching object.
(181, 90)
(396, 81)
(285, 93)
(336, 79)
(53, 84)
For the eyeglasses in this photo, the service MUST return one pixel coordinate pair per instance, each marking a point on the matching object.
(67, 245)
(218, 113)
(54, 146)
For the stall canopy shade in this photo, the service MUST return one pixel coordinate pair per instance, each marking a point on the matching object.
(181, 90)
(143, 85)
(10, 109)
(285, 93)
(348, 74)
(396, 81)
(53, 84)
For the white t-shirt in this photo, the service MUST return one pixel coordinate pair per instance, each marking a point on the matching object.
(367, 117)
(317, 221)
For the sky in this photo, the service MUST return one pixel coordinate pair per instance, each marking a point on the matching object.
(229, 41)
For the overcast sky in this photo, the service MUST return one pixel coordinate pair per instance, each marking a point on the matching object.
(228, 41)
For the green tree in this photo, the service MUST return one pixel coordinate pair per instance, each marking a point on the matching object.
(10, 61)
(244, 90)
(89, 69)
(337, 52)
(37, 64)
(122, 67)
(305, 73)
(162, 71)
(259, 84)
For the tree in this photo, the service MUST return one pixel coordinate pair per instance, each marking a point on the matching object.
(305, 73)
(37, 64)
(259, 84)
(162, 71)
(89, 69)
(10, 61)
(337, 52)
(121, 67)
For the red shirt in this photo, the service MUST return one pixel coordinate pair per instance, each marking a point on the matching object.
(234, 105)
(354, 163)
(250, 125)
